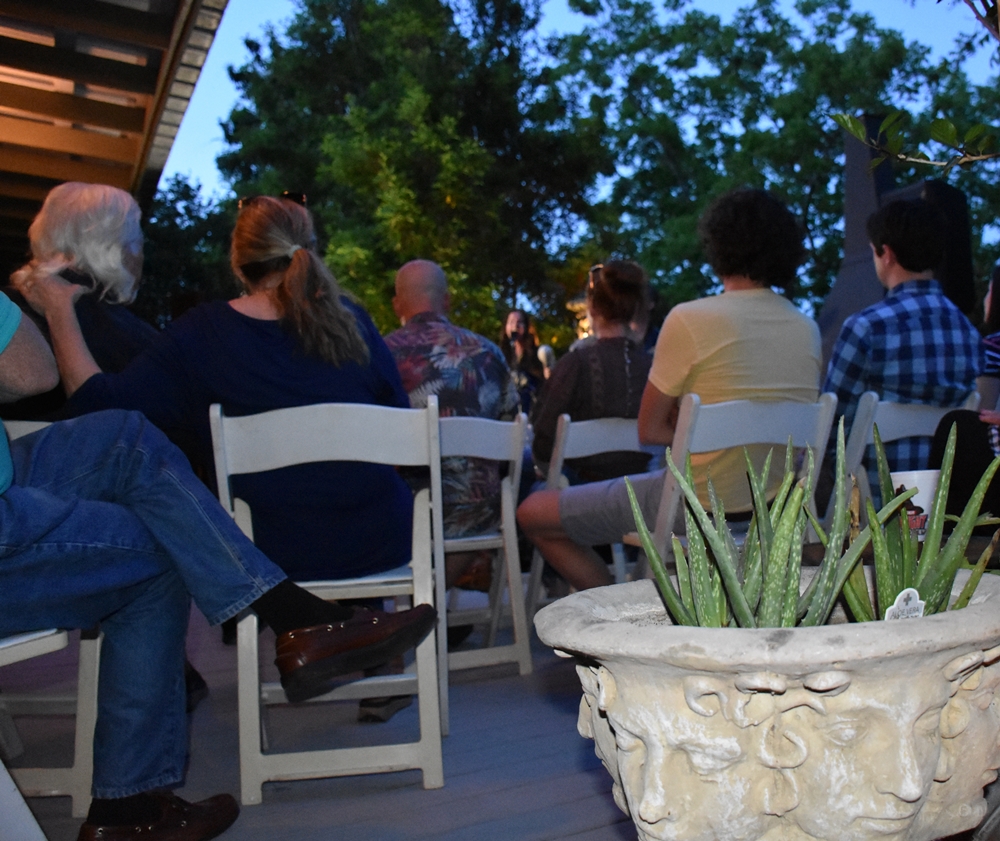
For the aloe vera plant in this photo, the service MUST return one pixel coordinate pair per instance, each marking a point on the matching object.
(758, 586)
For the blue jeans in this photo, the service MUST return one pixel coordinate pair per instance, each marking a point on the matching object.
(105, 523)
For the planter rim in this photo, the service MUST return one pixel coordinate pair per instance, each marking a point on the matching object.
(629, 621)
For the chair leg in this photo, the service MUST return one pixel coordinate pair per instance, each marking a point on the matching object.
(248, 684)
(86, 721)
(534, 584)
(18, 822)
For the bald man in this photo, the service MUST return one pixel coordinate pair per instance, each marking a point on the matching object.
(470, 377)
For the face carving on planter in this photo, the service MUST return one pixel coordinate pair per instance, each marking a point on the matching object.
(592, 723)
(687, 775)
(871, 755)
(970, 730)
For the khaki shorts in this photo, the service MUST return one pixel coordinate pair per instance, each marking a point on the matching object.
(598, 513)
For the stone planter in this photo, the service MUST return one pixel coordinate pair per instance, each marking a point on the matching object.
(845, 732)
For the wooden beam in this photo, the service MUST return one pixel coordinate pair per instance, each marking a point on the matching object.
(25, 188)
(70, 141)
(61, 168)
(99, 20)
(73, 109)
(21, 211)
(67, 64)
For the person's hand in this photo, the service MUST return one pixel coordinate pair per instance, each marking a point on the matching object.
(42, 287)
(991, 416)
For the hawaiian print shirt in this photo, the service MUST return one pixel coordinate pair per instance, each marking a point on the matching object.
(471, 379)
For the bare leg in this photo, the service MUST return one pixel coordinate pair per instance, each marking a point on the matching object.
(580, 565)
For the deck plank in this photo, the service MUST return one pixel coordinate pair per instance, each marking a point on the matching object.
(515, 767)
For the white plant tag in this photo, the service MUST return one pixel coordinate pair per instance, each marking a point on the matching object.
(906, 606)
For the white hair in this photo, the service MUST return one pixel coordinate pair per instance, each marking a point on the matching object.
(94, 225)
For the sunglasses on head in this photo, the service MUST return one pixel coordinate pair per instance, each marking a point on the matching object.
(590, 274)
(287, 195)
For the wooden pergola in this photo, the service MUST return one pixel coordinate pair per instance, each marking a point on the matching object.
(91, 90)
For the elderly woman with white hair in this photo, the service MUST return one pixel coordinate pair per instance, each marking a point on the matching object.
(89, 235)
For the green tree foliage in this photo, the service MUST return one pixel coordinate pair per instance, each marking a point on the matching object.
(448, 129)
(695, 106)
(419, 134)
(186, 253)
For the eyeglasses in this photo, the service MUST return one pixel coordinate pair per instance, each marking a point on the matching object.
(287, 195)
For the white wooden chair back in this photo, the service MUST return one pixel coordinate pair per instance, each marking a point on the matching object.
(344, 432)
(895, 421)
(739, 423)
(501, 441)
(579, 439)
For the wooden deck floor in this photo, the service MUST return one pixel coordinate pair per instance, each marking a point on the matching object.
(515, 767)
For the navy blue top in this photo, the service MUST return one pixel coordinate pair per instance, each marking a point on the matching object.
(328, 520)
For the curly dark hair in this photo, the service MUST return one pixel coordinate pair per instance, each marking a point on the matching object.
(914, 229)
(752, 232)
(615, 289)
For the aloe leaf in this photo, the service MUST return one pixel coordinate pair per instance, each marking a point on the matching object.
(935, 523)
(765, 529)
(673, 602)
(885, 579)
(812, 603)
(683, 574)
(752, 571)
(893, 536)
(701, 579)
(857, 596)
(728, 570)
(773, 598)
(911, 549)
(936, 586)
(977, 574)
(790, 608)
(817, 526)
(722, 529)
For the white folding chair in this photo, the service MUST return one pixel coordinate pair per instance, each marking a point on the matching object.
(17, 823)
(342, 432)
(738, 423)
(73, 781)
(497, 441)
(579, 439)
(895, 421)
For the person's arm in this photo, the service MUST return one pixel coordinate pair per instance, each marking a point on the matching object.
(657, 416)
(55, 299)
(26, 363)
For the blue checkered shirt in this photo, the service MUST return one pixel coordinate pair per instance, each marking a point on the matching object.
(914, 346)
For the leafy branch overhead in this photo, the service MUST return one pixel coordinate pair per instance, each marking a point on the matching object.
(979, 143)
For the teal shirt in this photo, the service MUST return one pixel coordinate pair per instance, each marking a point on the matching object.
(10, 317)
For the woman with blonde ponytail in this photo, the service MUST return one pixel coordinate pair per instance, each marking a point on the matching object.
(291, 339)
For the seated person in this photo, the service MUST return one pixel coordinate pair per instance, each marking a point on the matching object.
(915, 346)
(89, 234)
(468, 374)
(291, 339)
(601, 379)
(747, 343)
(104, 523)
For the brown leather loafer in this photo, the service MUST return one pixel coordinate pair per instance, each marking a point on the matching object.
(310, 658)
(179, 821)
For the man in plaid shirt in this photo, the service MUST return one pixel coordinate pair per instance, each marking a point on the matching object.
(915, 346)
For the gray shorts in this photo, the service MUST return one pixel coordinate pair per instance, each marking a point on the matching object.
(598, 513)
